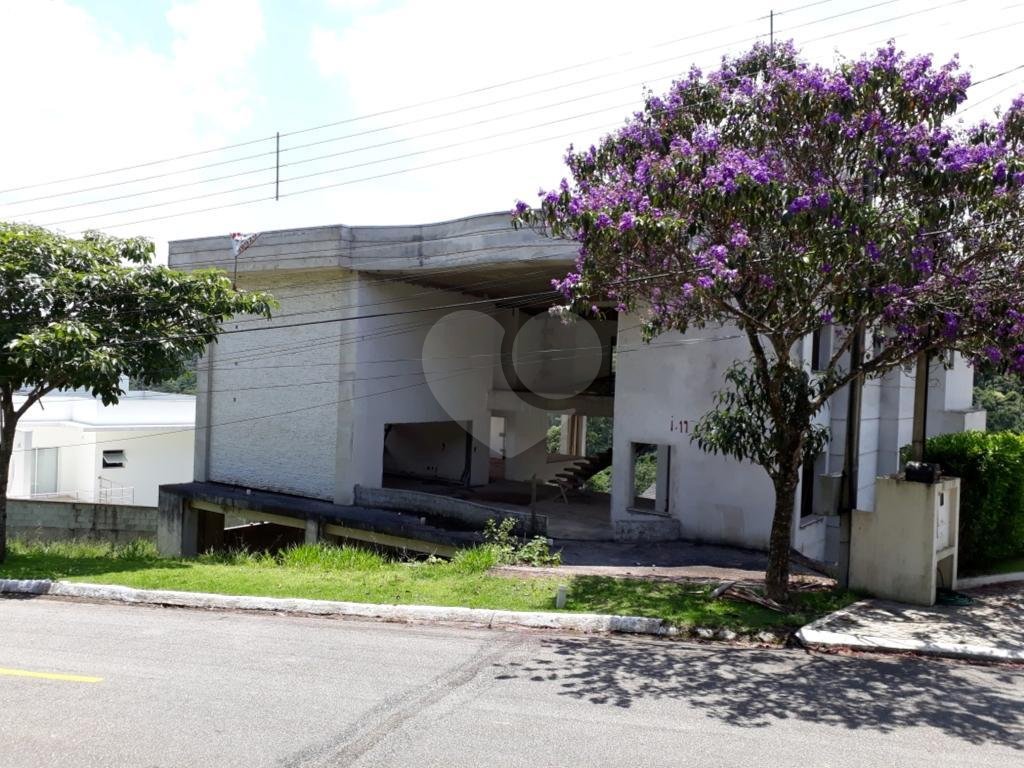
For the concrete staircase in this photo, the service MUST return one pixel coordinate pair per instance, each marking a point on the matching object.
(573, 477)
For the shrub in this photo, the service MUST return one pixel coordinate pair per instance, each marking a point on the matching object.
(508, 549)
(991, 468)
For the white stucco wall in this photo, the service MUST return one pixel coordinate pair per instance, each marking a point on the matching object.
(661, 391)
(153, 458)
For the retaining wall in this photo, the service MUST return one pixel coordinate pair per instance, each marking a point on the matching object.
(55, 520)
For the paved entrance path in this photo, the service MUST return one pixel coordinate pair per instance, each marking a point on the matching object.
(669, 561)
(990, 629)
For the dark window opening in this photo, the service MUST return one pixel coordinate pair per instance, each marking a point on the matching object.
(113, 459)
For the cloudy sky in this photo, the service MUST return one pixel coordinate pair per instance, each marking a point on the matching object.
(159, 118)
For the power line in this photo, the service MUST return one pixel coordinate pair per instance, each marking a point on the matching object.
(383, 160)
(374, 177)
(339, 401)
(378, 161)
(402, 108)
(454, 112)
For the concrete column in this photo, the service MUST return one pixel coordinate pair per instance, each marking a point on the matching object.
(177, 533)
(480, 459)
(204, 413)
(572, 439)
(312, 531)
(661, 482)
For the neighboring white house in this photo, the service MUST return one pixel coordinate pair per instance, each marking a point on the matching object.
(69, 446)
(427, 353)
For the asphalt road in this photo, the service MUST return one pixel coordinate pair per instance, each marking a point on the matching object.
(142, 686)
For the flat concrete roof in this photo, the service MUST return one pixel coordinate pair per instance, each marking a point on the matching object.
(480, 255)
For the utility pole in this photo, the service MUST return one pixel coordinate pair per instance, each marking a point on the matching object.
(277, 164)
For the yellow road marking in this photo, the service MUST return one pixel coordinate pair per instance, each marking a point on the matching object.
(50, 676)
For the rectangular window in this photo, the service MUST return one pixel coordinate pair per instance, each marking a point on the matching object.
(821, 348)
(113, 459)
(44, 470)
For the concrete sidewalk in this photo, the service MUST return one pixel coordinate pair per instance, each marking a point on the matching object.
(682, 561)
(992, 629)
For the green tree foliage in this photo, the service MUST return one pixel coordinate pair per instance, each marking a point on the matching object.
(991, 468)
(185, 384)
(1002, 395)
(83, 312)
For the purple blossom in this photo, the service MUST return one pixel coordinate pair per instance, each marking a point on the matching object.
(798, 204)
(739, 238)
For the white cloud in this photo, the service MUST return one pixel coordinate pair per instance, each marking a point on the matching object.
(84, 98)
(416, 51)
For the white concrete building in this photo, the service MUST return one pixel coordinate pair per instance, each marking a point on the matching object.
(69, 446)
(424, 358)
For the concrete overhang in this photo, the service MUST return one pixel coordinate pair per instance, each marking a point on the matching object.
(479, 255)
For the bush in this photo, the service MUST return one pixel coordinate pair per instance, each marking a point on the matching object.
(991, 468)
(508, 549)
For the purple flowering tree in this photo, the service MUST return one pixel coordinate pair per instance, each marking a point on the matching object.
(777, 196)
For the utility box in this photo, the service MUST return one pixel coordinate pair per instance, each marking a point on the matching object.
(907, 547)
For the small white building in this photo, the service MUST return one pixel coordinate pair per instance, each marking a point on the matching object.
(70, 447)
(424, 358)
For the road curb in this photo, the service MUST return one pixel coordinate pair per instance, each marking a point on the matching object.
(589, 623)
(972, 582)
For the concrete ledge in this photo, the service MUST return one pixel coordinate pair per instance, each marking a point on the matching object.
(646, 528)
(572, 622)
(970, 582)
(469, 512)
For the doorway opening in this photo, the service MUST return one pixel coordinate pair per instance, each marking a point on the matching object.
(649, 471)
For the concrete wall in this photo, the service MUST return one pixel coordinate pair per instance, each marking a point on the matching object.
(906, 547)
(152, 459)
(661, 391)
(272, 396)
(425, 366)
(56, 520)
(428, 450)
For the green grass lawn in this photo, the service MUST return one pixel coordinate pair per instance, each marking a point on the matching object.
(352, 574)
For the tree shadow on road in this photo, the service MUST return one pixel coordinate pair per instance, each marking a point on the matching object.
(752, 688)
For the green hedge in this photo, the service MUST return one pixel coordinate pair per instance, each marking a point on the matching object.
(991, 468)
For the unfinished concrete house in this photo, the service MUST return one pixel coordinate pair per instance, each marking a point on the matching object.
(414, 382)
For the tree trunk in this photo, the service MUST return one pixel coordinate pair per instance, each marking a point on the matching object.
(6, 450)
(777, 575)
